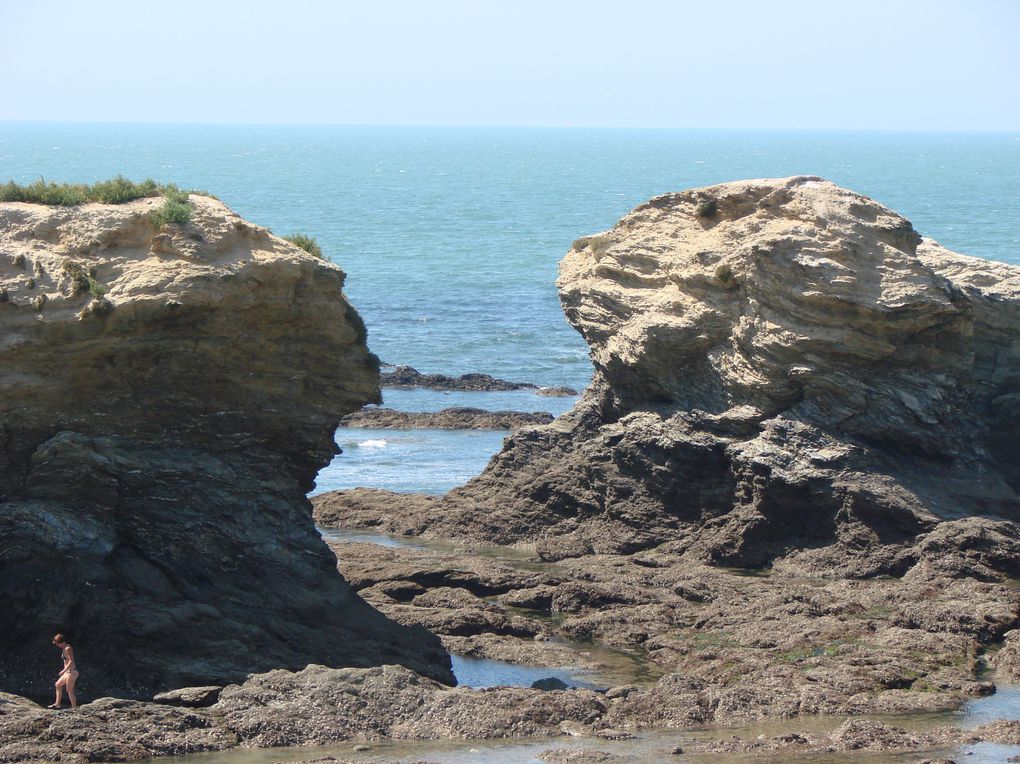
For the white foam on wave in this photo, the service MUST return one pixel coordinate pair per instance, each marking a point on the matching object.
(372, 444)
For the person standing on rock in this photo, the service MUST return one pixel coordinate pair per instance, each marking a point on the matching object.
(68, 675)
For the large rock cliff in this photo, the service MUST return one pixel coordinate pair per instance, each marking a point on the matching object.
(784, 369)
(166, 399)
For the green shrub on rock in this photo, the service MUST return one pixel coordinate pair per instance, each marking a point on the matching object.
(176, 208)
(307, 243)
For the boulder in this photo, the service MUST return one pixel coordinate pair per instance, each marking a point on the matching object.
(189, 697)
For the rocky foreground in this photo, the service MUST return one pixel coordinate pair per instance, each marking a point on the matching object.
(168, 398)
(324, 706)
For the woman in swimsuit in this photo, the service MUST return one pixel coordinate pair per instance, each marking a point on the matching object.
(68, 675)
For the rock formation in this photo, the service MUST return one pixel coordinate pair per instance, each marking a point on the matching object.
(166, 399)
(786, 377)
(784, 370)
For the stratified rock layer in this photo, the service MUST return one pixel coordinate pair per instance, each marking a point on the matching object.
(783, 369)
(156, 445)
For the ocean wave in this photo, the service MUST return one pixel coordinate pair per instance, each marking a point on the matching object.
(378, 443)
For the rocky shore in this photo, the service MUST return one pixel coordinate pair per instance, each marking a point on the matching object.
(788, 494)
(321, 706)
(169, 396)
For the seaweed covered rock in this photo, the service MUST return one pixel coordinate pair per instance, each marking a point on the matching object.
(168, 396)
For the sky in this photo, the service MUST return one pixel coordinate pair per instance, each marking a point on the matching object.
(865, 64)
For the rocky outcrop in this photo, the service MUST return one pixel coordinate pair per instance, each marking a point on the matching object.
(456, 418)
(784, 370)
(405, 377)
(167, 399)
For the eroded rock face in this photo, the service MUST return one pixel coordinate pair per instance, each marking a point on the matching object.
(784, 369)
(156, 445)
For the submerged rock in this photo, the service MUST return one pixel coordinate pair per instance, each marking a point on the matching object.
(793, 374)
(456, 418)
(405, 377)
(155, 455)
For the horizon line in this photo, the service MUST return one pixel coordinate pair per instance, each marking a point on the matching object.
(437, 126)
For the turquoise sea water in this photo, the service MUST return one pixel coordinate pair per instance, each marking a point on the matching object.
(451, 236)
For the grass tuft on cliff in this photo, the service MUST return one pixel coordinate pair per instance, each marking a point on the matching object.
(176, 207)
(307, 243)
(114, 191)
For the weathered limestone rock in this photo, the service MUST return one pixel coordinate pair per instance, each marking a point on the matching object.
(162, 414)
(784, 370)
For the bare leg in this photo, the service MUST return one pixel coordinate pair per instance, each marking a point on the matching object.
(69, 681)
(60, 693)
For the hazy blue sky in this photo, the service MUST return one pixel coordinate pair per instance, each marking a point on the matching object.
(941, 64)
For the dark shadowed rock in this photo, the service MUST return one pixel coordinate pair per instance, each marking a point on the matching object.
(154, 457)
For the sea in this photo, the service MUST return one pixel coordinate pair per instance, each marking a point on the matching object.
(450, 237)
